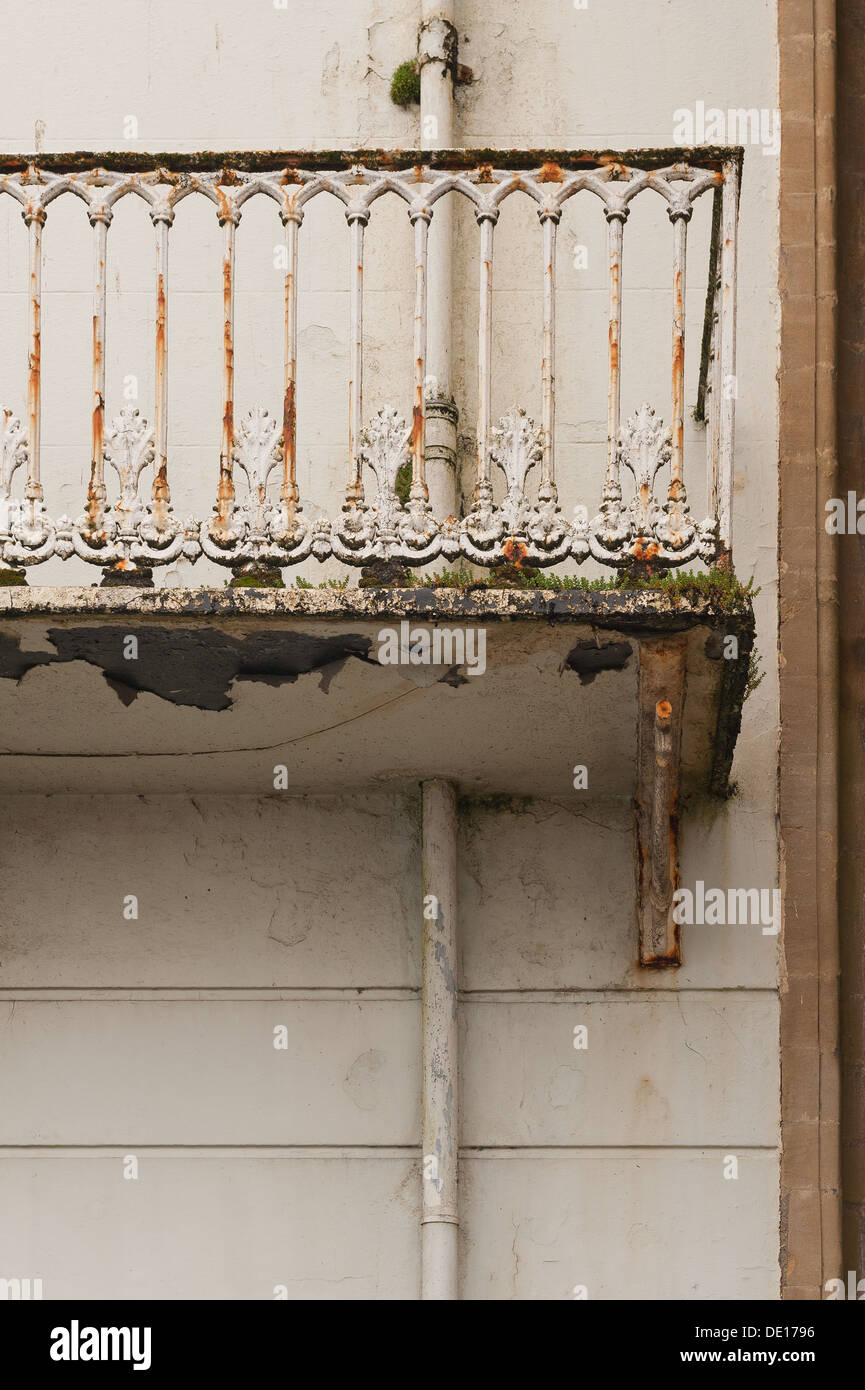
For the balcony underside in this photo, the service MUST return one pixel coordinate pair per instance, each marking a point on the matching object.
(227, 685)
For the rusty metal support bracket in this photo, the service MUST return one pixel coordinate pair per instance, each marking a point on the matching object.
(661, 702)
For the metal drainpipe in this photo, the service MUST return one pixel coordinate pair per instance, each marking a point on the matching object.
(440, 1058)
(437, 39)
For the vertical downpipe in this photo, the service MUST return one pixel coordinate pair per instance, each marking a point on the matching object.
(440, 1071)
(436, 40)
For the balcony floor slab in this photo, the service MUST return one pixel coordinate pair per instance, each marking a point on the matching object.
(186, 690)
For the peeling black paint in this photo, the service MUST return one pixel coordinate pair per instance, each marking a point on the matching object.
(189, 666)
(14, 663)
(588, 658)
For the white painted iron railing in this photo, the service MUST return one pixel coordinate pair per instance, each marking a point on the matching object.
(650, 526)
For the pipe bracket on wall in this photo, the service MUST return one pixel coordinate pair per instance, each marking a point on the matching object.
(437, 43)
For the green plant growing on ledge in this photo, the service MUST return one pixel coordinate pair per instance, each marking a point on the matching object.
(755, 675)
(260, 578)
(301, 583)
(405, 84)
(403, 483)
(720, 586)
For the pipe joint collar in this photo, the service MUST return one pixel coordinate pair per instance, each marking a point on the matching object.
(437, 43)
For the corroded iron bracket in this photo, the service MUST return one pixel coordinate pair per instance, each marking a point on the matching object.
(661, 700)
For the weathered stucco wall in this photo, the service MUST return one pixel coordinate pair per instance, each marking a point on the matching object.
(155, 1037)
(603, 1168)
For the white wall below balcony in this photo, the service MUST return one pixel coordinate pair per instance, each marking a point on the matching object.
(257, 1167)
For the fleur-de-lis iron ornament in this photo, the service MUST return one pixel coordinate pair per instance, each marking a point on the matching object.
(371, 530)
(516, 448)
(255, 529)
(26, 533)
(257, 450)
(240, 533)
(13, 453)
(387, 529)
(644, 448)
(128, 530)
(142, 530)
(489, 533)
(645, 531)
(128, 448)
(384, 446)
(13, 450)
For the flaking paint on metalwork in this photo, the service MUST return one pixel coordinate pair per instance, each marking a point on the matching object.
(35, 219)
(96, 488)
(225, 490)
(417, 437)
(161, 492)
(290, 494)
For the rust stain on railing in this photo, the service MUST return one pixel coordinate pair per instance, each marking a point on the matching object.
(550, 173)
(289, 434)
(175, 164)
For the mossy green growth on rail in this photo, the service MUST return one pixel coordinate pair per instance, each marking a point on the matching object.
(720, 586)
(258, 579)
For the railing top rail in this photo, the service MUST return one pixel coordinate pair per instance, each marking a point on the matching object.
(555, 162)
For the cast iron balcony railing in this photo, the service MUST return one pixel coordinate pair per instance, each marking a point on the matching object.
(637, 522)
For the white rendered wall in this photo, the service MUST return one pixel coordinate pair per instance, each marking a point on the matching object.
(301, 1167)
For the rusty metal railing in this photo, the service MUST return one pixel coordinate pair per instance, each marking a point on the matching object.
(652, 525)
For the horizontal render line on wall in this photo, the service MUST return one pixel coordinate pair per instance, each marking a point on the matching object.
(602, 994)
(359, 1151)
(204, 994)
(240, 994)
(647, 1150)
(276, 1151)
